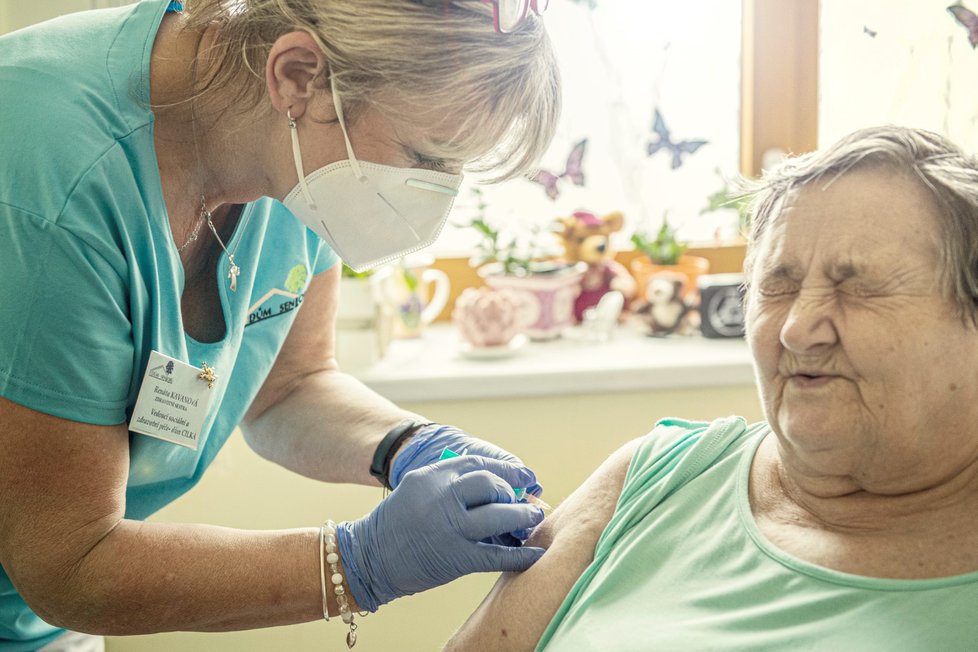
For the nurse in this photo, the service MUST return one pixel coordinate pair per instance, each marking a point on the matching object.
(177, 188)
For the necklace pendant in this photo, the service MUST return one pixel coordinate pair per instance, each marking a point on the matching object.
(233, 272)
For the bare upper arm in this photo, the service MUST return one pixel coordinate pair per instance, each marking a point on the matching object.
(520, 605)
(62, 489)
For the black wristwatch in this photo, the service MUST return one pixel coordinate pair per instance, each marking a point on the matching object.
(380, 467)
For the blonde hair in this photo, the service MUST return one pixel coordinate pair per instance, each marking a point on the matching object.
(948, 175)
(417, 64)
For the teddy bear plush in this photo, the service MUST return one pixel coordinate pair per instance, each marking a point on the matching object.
(586, 239)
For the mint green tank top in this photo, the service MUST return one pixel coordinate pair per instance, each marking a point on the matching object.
(683, 566)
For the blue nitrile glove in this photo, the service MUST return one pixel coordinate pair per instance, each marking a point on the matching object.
(428, 531)
(426, 447)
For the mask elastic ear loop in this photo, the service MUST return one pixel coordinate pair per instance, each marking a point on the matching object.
(346, 137)
(297, 157)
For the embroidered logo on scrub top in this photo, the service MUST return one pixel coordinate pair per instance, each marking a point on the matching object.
(280, 301)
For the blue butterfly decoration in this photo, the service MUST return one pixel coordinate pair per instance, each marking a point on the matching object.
(968, 20)
(665, 141)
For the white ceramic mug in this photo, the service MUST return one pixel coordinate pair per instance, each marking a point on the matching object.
(417, 293)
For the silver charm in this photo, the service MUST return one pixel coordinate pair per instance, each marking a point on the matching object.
(233, 272)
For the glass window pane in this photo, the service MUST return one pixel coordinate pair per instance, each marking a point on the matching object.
(621, 60)
(903, 62)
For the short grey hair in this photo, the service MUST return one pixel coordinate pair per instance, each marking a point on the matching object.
(946, 173)
(415, 63)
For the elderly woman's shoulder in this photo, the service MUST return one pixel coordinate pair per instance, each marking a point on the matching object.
(585, 513)
(671, 444)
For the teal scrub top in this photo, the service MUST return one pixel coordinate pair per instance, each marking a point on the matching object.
(90, 277)
(683, 566)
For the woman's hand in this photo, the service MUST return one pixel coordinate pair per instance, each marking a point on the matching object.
(428, 532)
(426, 447)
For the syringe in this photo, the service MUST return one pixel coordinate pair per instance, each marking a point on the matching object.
(520, 492)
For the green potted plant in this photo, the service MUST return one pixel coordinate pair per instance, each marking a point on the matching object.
(513, 254)
(528, 266)
(665, 253)
(664, 249)
(727, 197)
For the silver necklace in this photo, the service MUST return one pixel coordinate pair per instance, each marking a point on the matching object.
(193, 236)
(233, 270)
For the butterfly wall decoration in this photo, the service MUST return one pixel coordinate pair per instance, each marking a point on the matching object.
(573, 171)
(968, 20)
(664, 141)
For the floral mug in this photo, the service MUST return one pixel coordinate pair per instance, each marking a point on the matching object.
(416, 293)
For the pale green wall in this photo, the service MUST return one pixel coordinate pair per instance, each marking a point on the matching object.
(15, 14)
(562, 438)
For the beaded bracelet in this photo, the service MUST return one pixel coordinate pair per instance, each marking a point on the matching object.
(327, 542)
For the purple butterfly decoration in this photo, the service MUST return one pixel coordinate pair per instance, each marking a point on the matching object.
(572, 171)
(969, 20)
(666, 142)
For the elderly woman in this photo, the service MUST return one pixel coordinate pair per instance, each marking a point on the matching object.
(847, 520)
(157, 294)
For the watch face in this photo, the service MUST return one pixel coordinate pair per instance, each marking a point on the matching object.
(724, 311)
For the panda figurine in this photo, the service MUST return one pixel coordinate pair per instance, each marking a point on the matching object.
(663, 308)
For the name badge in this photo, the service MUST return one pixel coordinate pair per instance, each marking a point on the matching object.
(173, 400)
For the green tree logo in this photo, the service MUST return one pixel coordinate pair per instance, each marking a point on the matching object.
(296, 279)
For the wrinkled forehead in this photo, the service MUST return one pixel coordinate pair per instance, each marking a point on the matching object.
(873, 213)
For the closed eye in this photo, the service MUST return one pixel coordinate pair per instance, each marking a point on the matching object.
(429, 163)
(864, 288)
(777, 289)
(778, 280)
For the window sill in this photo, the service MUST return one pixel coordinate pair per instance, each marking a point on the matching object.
(433, 368)
(724, 258)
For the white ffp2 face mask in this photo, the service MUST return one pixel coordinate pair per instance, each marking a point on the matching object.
(370, 214)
